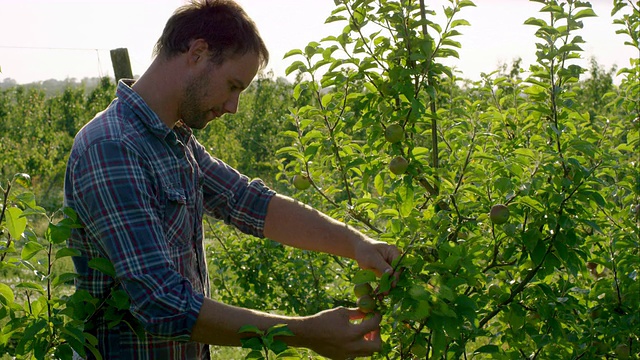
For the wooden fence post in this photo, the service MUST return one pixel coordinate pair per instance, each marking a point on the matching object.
(121, 64)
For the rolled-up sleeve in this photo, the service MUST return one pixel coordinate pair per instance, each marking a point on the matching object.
(116, 196)
(231, 196)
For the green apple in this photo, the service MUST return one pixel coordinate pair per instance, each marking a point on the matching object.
(366, 304)
(499, 214)
(398, 165)
(420, 351)
(622, 351)
(394, 133)
(600, 347)
(301, 182)
(362, 289)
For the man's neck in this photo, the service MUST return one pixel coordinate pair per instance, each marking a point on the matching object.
(160, 87)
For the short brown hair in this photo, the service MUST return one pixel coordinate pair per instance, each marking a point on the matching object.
(223, 24)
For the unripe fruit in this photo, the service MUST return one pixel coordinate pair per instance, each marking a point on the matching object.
(499, 214)
(595, 313)
(420, 351)
(362, 289)
(366, 304)
(301, 182)
(394, 133)
(622, 351)
(398, 165)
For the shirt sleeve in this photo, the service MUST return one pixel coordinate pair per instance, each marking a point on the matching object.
(231, 196)
(114, 189)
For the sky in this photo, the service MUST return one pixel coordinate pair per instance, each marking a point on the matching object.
(62, 39)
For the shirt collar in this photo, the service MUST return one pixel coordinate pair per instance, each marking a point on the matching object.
(150, 119)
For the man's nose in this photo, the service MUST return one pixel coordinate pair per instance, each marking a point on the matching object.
(231, 105)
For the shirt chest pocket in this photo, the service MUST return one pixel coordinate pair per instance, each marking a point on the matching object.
(179, 217)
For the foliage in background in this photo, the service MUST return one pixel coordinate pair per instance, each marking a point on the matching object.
(40, 316)
(248, 140)
(38, 130)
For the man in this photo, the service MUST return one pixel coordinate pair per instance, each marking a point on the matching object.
(140, 183)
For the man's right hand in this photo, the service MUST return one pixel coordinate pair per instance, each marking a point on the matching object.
(340, 333)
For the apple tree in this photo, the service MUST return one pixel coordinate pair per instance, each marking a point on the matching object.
(394, 142)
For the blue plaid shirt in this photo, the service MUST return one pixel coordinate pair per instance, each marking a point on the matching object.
(140, 190)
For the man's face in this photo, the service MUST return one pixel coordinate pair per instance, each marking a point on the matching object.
(216, 89)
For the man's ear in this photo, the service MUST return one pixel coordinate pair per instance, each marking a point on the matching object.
(198, 51)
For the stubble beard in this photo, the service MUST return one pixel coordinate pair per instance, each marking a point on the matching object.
(193, 113)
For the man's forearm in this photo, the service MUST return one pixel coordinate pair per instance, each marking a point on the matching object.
(330, 333)
(293, 223)
(218, 323)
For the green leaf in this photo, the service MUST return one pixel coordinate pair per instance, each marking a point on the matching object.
(255, 354)
(250, 329)
(326, 99)
(460, 22)
(29, 334)
(279, 330)
(289, 354)
(464, 3)
(23, 179)
(103, 265)
(538, 253)
(487, 349)
(536, 22)
(406, 204)
(385, 283)
(569, 47)
(119, 300)
(64, 278)
(70, 213)
(15, 223)
(64, 351)
(378, 183)
(278, 346)
(30, 286)
(254, 343)
(58, 233)
(296, 65)
(292, 52)
(66, 252)
(30, 249)
(584, 13)
(595, 196)
(439, 342)
(6, 295)
(334, 18)
(532, 203)
(28, 199)
(312, 48)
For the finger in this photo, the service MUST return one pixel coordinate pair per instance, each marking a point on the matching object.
(396, 276)
(392, 253)
(382, 263)
(356, 314)
(372, 336)
(370, 343)
(370, 322)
